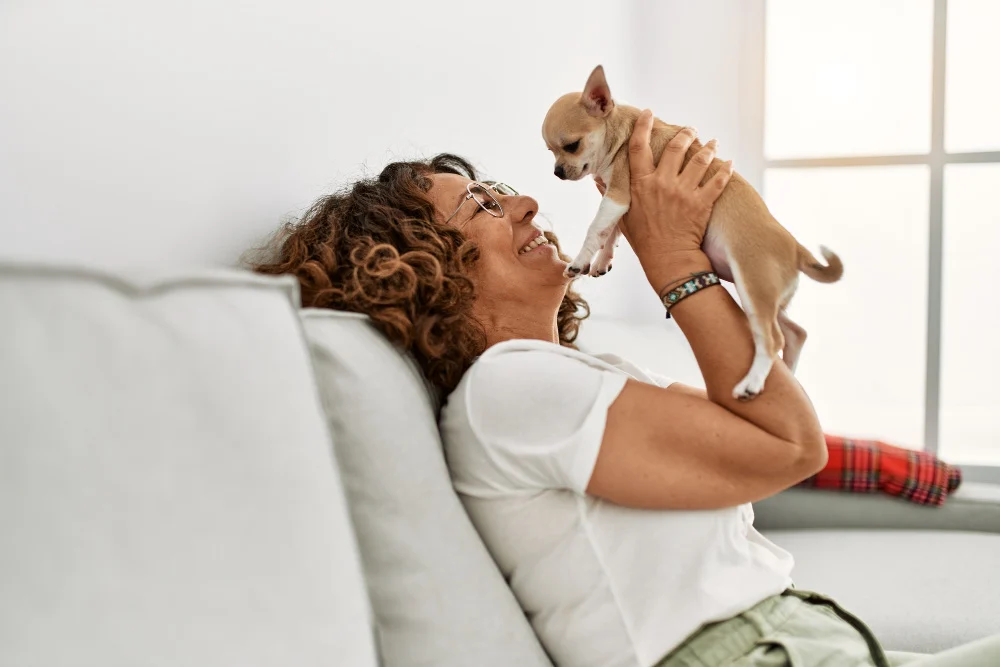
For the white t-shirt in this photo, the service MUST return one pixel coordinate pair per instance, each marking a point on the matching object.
(603, 585)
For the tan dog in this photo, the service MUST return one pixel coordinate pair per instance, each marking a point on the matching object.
(589, 134)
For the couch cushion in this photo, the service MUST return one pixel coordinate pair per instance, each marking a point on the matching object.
(920, 591)
(167, 489)
(972, 507)
(438, 597)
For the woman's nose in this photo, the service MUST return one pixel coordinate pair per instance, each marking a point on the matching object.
(523, 210)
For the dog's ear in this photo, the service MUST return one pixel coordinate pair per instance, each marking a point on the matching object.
(596, 97)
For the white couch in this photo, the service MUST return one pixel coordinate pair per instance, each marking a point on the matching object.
(168, 496)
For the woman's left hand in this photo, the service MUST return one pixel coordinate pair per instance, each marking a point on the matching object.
(795, 335)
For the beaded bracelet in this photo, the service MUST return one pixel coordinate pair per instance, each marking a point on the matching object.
(696, 282)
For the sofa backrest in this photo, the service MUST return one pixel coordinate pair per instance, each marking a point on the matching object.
(438, 597)
(167, 490)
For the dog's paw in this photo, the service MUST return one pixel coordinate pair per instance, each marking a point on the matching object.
(574, 270)
(749, 388)
(597, 270)
(580, 265)
(602, 263)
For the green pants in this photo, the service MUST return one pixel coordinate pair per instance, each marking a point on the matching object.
(802, 629)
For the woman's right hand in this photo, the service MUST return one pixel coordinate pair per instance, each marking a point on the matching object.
(670, 209)
(725, 451)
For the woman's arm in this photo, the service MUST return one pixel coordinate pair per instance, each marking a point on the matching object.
(670, 448)
(665, 448)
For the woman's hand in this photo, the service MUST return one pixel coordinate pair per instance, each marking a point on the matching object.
(669, 212)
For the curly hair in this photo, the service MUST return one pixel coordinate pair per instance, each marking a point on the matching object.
(376, 248)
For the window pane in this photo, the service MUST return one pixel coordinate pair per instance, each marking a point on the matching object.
(970, 358)
(864, 362)
(972, 99)
(848, 78)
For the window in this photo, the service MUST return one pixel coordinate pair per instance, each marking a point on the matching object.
(881, 141)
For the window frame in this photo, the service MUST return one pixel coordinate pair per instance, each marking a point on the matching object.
(936, 159)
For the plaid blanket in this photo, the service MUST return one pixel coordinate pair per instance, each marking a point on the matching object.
(867, 466)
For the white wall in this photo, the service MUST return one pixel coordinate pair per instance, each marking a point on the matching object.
(700, 64)
(179, 134)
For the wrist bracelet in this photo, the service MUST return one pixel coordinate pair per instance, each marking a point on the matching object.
(680, 282)
(695, 283)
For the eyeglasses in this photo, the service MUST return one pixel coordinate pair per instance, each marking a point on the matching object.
(483, 194)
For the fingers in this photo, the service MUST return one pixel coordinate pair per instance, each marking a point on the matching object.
(695, 169)
(673, 155)
(711, 190)
(640, 155)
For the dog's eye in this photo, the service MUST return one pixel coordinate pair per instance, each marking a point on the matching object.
(571, 148)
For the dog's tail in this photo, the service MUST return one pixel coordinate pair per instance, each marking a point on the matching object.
(809, 265)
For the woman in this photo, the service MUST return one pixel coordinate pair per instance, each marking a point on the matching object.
(615, 501)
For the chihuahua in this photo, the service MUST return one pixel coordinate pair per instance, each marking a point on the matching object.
(588, 134)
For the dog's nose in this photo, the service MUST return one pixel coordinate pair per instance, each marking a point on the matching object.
(560, 172)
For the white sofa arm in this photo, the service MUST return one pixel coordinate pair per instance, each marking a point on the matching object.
(973, 507)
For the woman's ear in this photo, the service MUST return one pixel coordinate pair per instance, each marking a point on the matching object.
(596, 96)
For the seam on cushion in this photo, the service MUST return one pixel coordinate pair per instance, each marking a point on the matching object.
(151, 283)
(581, 508)
(324, 313)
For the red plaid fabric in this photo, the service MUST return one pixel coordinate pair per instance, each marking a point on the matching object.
(867, 466)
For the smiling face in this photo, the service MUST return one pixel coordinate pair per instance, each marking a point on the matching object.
(518, 266)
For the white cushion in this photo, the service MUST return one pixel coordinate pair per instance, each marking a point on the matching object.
(921, 591)
(167, 489)
(438, 597)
